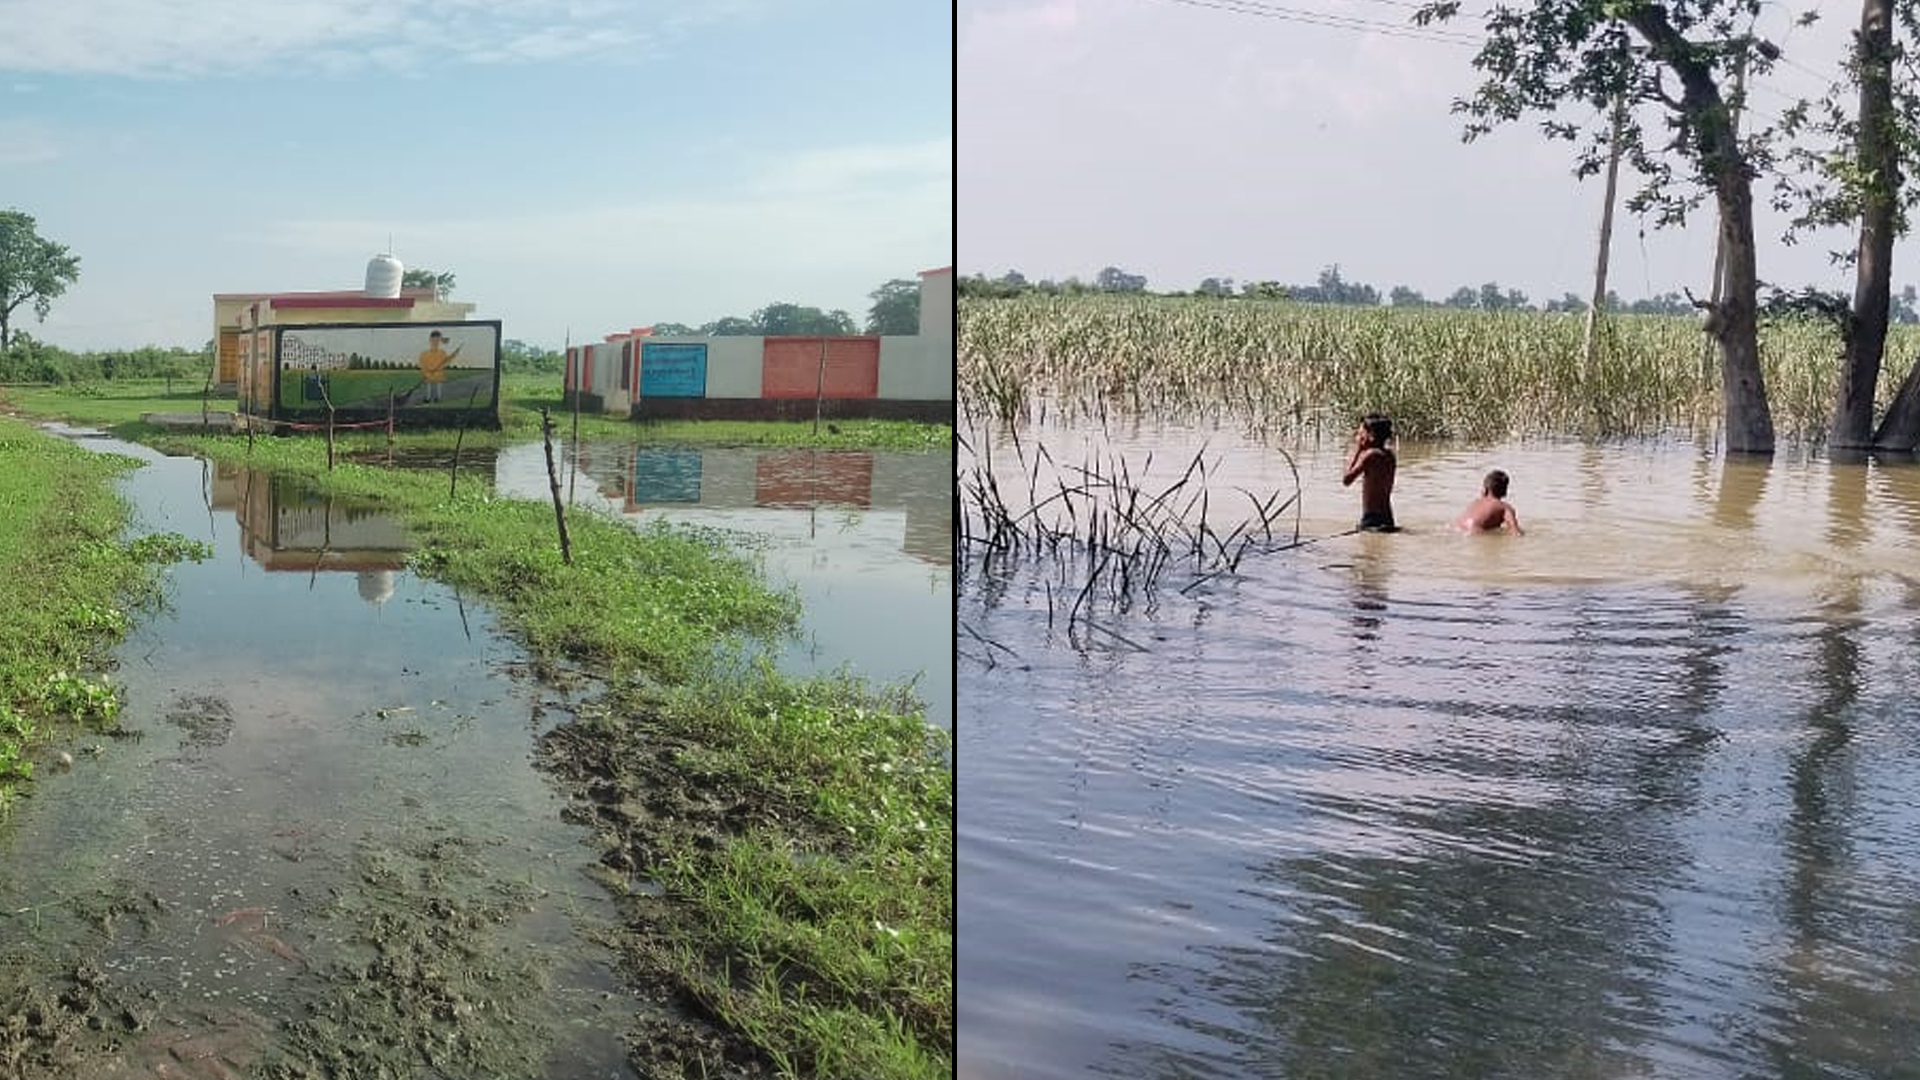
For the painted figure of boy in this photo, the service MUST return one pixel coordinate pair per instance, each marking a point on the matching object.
(434, 362)
(1491, 512)
(1372, 463)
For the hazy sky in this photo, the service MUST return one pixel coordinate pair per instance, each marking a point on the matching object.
(582, 165)
(1182, 139)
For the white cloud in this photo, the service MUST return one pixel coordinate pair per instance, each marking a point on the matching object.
(197, 37)
(821, 228)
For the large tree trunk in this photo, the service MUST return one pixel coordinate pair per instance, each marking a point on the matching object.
(1900, 428)
(1715, 148)
(1733, 323)
(1873, 265)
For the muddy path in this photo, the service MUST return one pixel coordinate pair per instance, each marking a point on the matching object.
(326, 844)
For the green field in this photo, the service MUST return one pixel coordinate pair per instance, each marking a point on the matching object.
(1438, 372)
(368, 389)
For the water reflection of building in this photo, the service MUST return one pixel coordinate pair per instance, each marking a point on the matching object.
(920, 485)
(285, 525)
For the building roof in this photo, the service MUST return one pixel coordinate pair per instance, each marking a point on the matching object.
(413, 292)
(936, 270)
(350, 300)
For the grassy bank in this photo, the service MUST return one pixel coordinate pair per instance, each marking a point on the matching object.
(67, 579)
(1438, 372)
(117, 405)
(800, 831)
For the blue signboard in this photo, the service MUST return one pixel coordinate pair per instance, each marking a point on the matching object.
(666, 475)
(670, 370)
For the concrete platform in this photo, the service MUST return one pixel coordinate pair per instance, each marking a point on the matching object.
(191, 421)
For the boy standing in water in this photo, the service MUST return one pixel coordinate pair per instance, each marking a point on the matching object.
(1491, 512)
(1372, 463)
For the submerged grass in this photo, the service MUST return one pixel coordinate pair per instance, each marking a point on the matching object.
(1438, 372)
(66, 582)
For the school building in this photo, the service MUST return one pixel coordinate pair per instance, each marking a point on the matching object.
(645, 376)
(383, 300)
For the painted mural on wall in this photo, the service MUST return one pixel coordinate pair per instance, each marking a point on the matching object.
(420, 366)
(669, 369)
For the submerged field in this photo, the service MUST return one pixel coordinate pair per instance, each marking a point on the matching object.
(1438, 373)
(795, 833)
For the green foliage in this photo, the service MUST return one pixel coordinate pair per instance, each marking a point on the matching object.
(27, 360)
(896, 308)
(80, 698)
(794, 319)
(1439, 372)
(32, 268)
(850, 941)
(419, 277)
(63, 581)
(519, 358)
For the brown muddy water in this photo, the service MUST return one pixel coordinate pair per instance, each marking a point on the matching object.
(864, 536)
(324, 848)
(1635, 795)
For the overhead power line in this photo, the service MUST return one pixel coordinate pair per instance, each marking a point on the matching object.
(1333, 21)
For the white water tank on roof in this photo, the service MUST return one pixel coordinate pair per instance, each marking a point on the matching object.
(383, 276)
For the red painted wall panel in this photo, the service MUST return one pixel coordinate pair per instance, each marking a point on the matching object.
(790, 367)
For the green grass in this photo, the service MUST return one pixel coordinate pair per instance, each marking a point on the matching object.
(66, 582)
(846, 939)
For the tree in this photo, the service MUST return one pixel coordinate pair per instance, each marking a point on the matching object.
(1550, 55)
(1403, 296)
(1115, 280)
(1906, 307)
(421, 277)
(896, 308)
(1215, 287)
(1568, 302)
(730, 326)
(793, 319)
(1464, 297)
(31, 268)
(1264, 290)
(1331, 288)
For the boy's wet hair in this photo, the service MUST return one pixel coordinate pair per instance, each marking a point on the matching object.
(1496, 484)
(1377, 426)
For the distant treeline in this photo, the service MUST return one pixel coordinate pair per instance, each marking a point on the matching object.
(1331, 288)
(26, 360)
(30, 361)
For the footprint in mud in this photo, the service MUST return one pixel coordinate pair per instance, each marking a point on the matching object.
(248, 927)
(207, 721)
(221, 1045)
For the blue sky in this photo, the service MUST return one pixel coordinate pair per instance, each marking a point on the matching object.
(581, 166)
(1266, 139)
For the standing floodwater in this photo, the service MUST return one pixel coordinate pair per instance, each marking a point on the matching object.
(865, 536)
(324, 843)
(1637, 794)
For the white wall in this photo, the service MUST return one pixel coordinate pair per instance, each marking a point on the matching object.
(733, 365)
(916, 369)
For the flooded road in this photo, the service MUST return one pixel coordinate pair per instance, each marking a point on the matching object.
(1637, 794)
(865, 536)
(325, 843)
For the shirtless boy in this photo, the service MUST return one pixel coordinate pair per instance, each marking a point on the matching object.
(1491, 512)
(1372, 463)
